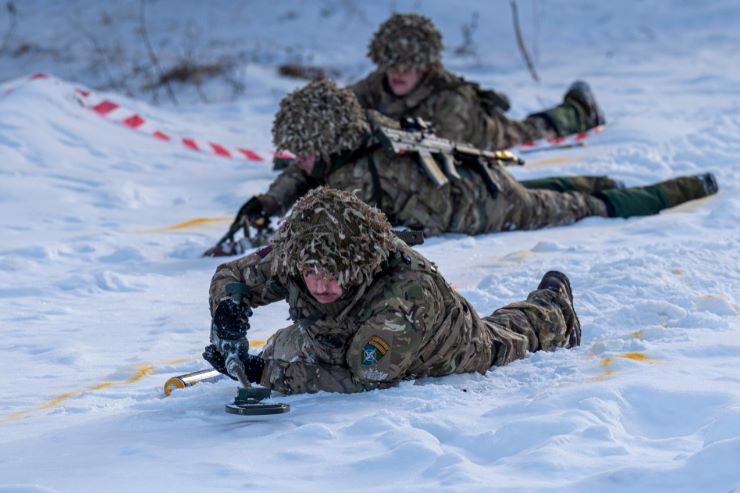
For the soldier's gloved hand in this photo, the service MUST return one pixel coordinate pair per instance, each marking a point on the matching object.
(257, 209)
(216, 359)
(252, 210)
(253, 365)
(231, 320)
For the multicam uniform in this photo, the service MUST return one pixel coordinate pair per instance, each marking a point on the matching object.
(327, 122)
(405, 323)
(457, 111)
(400, 187)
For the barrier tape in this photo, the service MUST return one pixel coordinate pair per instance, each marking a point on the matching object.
(554, 143)
(113, 111)
(110, 110)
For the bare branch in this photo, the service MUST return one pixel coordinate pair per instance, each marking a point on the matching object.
(102, 59)
(10, 7)
(152, 54)
(520, 41)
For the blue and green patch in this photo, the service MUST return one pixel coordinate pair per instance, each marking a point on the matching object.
(374, 350)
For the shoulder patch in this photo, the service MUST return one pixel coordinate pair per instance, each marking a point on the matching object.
(374, 350)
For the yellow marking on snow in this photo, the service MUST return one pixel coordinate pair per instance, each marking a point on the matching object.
(177, 361)
(638, 334)
(603, 375)
(141, 370)
(539, 163)
(634, 356)
(516, 256)
(198, 221)
(609, 360)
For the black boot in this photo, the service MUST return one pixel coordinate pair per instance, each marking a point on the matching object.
(558, 282)
(710, 183)
(580, 94)
(649, 200)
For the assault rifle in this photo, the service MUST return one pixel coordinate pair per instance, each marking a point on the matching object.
(440, 157)
(228, 246)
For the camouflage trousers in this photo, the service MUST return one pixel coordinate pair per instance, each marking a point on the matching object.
(517, 207)
(504, 132)
(585, 184)
(561, 120)
(544, 322)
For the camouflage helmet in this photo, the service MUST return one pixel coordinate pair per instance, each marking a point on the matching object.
(406, 41)
(319, 119)
(334, 231)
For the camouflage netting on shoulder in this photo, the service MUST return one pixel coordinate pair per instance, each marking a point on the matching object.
(405, 42)
(333, 231)
(319, 119)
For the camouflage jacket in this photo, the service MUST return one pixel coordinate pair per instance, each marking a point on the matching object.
(399, 186)
(407, 323)
(458, 109)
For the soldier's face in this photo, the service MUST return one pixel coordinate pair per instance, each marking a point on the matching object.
(403, 82)
(323, 286)
(306, 162)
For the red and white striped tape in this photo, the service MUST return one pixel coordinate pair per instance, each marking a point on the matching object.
(556, 142)
(113, 111)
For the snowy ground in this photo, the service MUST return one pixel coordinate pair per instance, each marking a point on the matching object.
(97, 311)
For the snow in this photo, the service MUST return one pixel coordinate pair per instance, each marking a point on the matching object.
(98, 307)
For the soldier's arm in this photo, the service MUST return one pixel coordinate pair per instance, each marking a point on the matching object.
(250, 274)
(460, 119)
(292, 184)
(394, 328)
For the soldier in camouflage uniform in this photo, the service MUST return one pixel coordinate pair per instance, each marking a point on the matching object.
(337, 144)
(368, 310)
(410, 81)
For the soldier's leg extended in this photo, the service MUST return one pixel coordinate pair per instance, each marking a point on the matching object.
(586, 184)
(545, 321)
(533, 209)
(577, 113)
(645, 201)
(515, 207)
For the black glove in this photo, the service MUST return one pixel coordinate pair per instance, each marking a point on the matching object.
(254, 211)
(253, 365)
(216, 359)
(231, 320)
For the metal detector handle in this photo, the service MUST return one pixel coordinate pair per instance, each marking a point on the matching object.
(235, 367)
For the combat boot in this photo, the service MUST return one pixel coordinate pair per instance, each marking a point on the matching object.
(649, 200)
(559, 283)
(577, 113)
(710, 183)
(579, 94)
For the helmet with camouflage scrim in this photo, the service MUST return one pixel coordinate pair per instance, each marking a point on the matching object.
(406, 42)
(319, 119)
(333, 231)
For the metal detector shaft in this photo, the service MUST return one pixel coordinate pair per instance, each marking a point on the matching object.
(189, 379)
